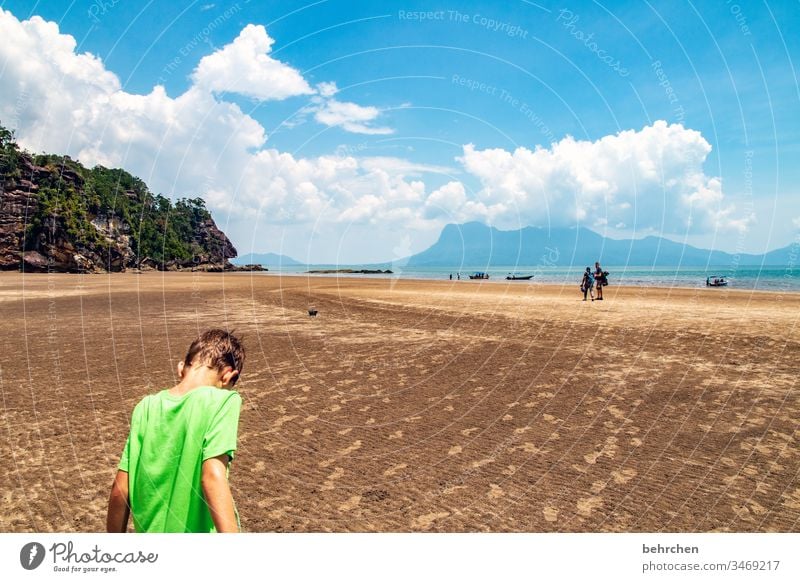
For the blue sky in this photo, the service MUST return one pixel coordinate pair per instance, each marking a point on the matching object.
(374, 168)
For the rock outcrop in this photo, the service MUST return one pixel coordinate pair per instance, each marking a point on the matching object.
(56, 215)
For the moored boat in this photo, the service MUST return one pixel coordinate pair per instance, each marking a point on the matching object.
(714, 281)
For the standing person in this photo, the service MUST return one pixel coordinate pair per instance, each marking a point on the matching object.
(459, 276)
(587, 283)
(173, 474)
(451, 276)
(599, 280)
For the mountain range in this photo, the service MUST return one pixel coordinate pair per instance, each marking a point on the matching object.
(475, 244)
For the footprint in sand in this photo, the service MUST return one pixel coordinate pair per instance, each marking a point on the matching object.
(283, 420)
(330, 481)
(344, 431)
(510, 470)
(792, 500)
(508, 417)
(452, 489)
(354, 447)
(394, 470)
(455, 450)
(495, 492)
(622, 477)
(427, 520)
(609, 450)
(528, 448)
(550, 514)
(312, 418)
(588, 504)
(598, 486)
(616, 412)
(448, 408)
(351, 503)
(591, 458)
(481, 463)
(307, 432)
(398, 434)
(469, 431)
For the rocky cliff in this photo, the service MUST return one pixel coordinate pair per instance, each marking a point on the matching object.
(57, 215)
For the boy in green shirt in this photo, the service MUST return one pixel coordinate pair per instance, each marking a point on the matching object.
(173, 474)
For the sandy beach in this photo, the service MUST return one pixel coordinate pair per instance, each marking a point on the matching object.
(418, 405)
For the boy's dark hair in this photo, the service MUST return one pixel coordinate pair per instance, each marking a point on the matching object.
(218, 349)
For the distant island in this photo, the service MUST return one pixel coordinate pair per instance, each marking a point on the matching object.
(474, 244)
(267, 260)
(350, 272)
(58, 216)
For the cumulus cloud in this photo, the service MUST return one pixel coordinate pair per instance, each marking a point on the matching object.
(647, 179)
(446, 201)
(245, 67)
(196, 143)
(350, 117)
(60, 101)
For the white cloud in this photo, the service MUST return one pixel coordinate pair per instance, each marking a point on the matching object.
(403, 167)
(245, 67)
(350, 117)
(446, 202)
(652, 178)
(327, 89)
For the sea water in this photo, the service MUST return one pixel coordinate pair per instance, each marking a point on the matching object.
(743, 277)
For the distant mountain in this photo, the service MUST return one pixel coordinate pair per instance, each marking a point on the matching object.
(267, 260)
(474, 244)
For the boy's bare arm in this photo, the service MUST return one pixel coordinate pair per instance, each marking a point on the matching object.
(119, 508)
(217, 494)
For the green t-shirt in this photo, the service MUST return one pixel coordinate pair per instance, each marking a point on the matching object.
(170, 438)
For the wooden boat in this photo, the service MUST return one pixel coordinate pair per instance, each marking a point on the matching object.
(512, 277)
(479, 276)
(715, 281)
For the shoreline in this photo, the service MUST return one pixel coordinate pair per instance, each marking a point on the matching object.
(532, 283)
(353, 278)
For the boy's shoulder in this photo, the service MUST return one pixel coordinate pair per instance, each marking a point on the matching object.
(207, 394)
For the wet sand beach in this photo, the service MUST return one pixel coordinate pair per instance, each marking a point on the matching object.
(418, 405)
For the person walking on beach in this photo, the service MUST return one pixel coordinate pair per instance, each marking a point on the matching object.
(451, 276)
(599, 278)
(587, 283)
(173, 473)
